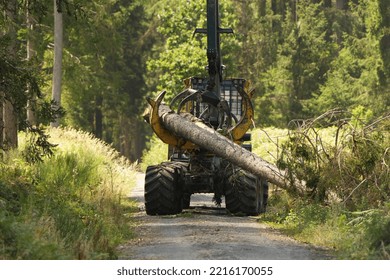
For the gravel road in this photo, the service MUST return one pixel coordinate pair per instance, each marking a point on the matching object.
(205, 232)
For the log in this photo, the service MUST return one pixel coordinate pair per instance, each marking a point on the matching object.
(193, 129)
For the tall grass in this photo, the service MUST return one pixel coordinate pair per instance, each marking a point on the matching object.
(348, 235)
(156, 153)
(266, 142)
(71, 205)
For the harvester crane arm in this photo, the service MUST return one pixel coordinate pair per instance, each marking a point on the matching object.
(206, 153)
(214, 57)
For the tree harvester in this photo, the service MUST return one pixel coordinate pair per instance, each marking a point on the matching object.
(212, 113)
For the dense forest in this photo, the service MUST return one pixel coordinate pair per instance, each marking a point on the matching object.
(304, 57)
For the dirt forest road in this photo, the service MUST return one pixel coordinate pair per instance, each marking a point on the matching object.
(204, 232)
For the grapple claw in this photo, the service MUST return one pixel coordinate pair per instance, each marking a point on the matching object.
(238, 131)
(165, 135)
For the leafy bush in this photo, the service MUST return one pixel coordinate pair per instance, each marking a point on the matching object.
(344, 159)
(70, 205)
(348, 163)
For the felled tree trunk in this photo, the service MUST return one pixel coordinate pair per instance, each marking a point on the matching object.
(191, 128)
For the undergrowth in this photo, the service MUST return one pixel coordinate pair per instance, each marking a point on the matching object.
(344, 159)
(156, 153)
(348, 235)
(68, 205)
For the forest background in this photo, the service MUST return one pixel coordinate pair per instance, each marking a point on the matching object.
(304, 57)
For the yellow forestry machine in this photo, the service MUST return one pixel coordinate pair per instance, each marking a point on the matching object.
(209, 117)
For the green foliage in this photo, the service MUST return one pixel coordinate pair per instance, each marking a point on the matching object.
(182, 55)
(68, 206)
(37, 146)
(303, 54)
(103, 72)
(344, 158)
(347, 235)
(310, 58)
(344, 162)
(17, 75)
(266, 142)
(155, 154)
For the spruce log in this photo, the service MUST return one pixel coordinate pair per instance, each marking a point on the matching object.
(193, 129)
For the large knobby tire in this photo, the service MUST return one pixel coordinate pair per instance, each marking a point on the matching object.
(245, 193)
(163, 195)
(186, 192)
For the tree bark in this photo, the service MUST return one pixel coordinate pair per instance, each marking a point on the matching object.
(57, 68)
(262, 8)
(342, 4)
(1, 120)
(275, 23)
(10, 137)
(293, 6)
(190, 128)
(98, 117)
(327, 3)
(31, 119)
(10, 120)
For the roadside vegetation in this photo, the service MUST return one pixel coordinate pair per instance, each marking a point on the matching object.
(344, 159)
(65, 204)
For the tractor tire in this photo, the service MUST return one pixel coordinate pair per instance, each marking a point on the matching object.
(183, 169)
(245, 193)
(163, 195)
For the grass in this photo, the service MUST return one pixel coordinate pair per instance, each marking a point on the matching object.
(71, 205)
(266, 142)
(156, 153)
(349, 235)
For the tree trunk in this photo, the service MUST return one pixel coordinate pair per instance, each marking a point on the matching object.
(139, 141)
(190, 128)
(342, 4)
(98, 117)
(327, 3)
(57, 68)
(262, 8)
(10, 120)
(10, 137)
(1, 120)
(31, 119)
(275, 23)
(384, 43)
(126, 136)
(294, 14)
